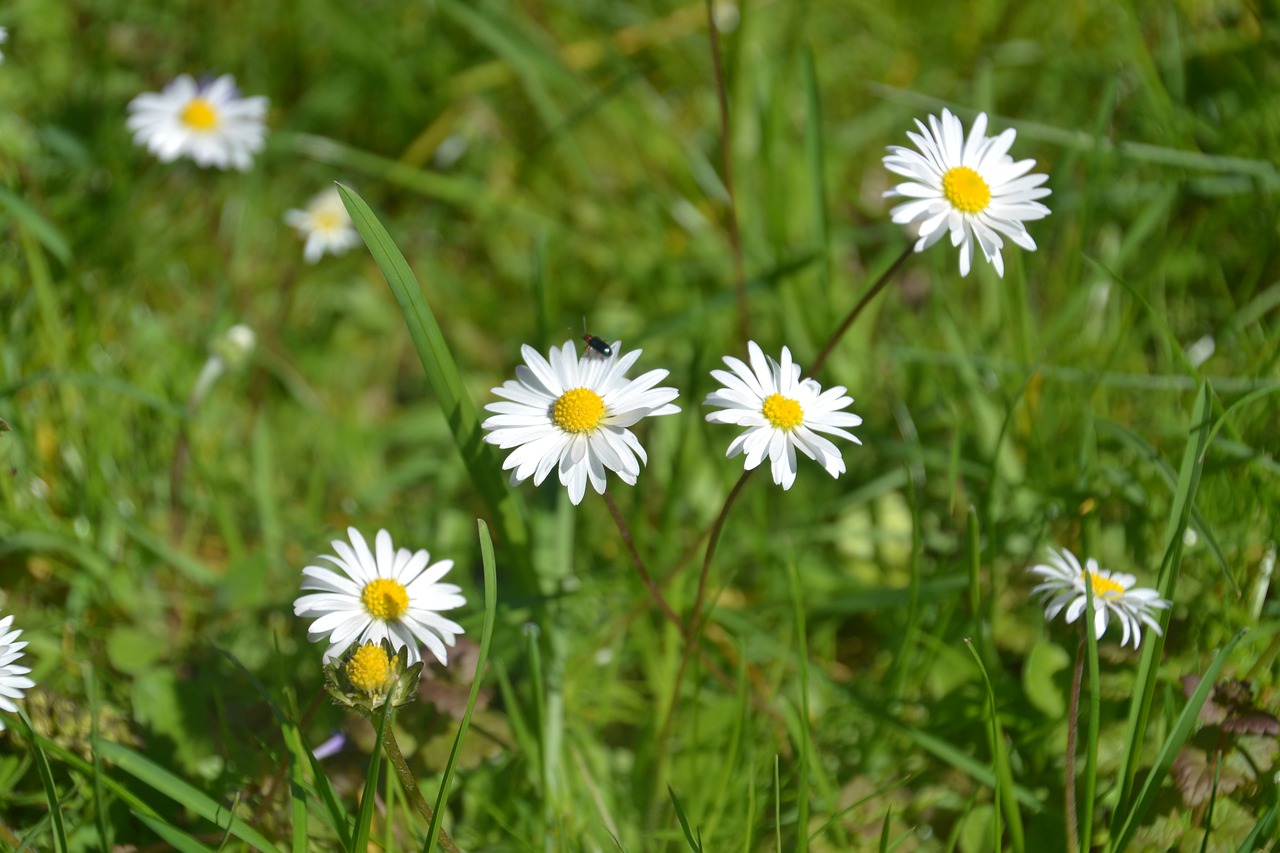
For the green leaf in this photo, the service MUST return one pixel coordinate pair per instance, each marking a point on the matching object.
(1044, 661)
(44, 230)
(460, 413)
(175, 837)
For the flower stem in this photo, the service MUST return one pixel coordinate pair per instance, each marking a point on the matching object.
(726, 164)
(857, 310)
(639, 563)
(392, 749)
(1069, 787)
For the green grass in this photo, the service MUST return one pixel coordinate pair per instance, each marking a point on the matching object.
(524, 166)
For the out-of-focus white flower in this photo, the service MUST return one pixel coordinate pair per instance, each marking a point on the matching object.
(208, 122)
(325, 224)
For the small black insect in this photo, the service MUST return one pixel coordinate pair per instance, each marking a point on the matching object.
(600, 345)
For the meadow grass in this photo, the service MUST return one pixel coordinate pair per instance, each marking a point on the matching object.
(869, 669)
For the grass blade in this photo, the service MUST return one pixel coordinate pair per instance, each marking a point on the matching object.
(163, 782)
(1004, 774)
(446, 382)
(486, 637)
(57, 829)
(1182, 730)
(1144, 692)
(695, 843)
(364, 817)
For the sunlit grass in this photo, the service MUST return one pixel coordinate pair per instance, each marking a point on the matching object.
(515, 170)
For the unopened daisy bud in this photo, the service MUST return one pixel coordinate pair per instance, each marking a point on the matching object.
(368, 676)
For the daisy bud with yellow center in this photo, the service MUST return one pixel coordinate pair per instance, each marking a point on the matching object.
(574, 412)
(382, 594)
(968, 188)
(367, 676)
(781, 413)
(1114, 595)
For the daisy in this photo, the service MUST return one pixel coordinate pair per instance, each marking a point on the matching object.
(325, 224)
(13, 678)
(208, 122)
(972, 188)
(575, 412)
(393, 595)
(781, 412)
(1113, 593)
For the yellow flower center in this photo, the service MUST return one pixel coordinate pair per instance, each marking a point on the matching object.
(199, 115)
(782, 412)
(578, 410)
(966, 190)
(369, 669)
(385, 599)
(1104, 587)
(326, 220)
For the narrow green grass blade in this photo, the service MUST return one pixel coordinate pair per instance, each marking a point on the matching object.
(1090, 793)
(174, 837)
(442, 373)
(1004, 774)
(694, 844)
(163, 782)
(339, 819)
(486, 638)
(802, 725)
(364, 817)
(1182, 730)
(884, 830)
(297, 789)
(57, 829)
(1166, 584)
(1262, 830)
(44, 230)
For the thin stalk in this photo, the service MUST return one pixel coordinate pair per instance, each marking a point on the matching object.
(1073, 725)
(726, 162)
(396, 757)
(857, 310)
(639, 564)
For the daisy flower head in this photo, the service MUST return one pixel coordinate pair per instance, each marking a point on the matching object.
(206, 121)
(325, 224)
(574, 413)
(1113, 595)
(782, 413)
(380, 594)
(969, 187)
(13, 678)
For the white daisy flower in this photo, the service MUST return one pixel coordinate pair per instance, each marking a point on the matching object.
(972, 188)
(13, 678)
(575, 412)
(208, 122)
(1113, 593)
(394, 595)
(781, 412)
(325, 224)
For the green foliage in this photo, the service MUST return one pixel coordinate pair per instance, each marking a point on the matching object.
(514, 168)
